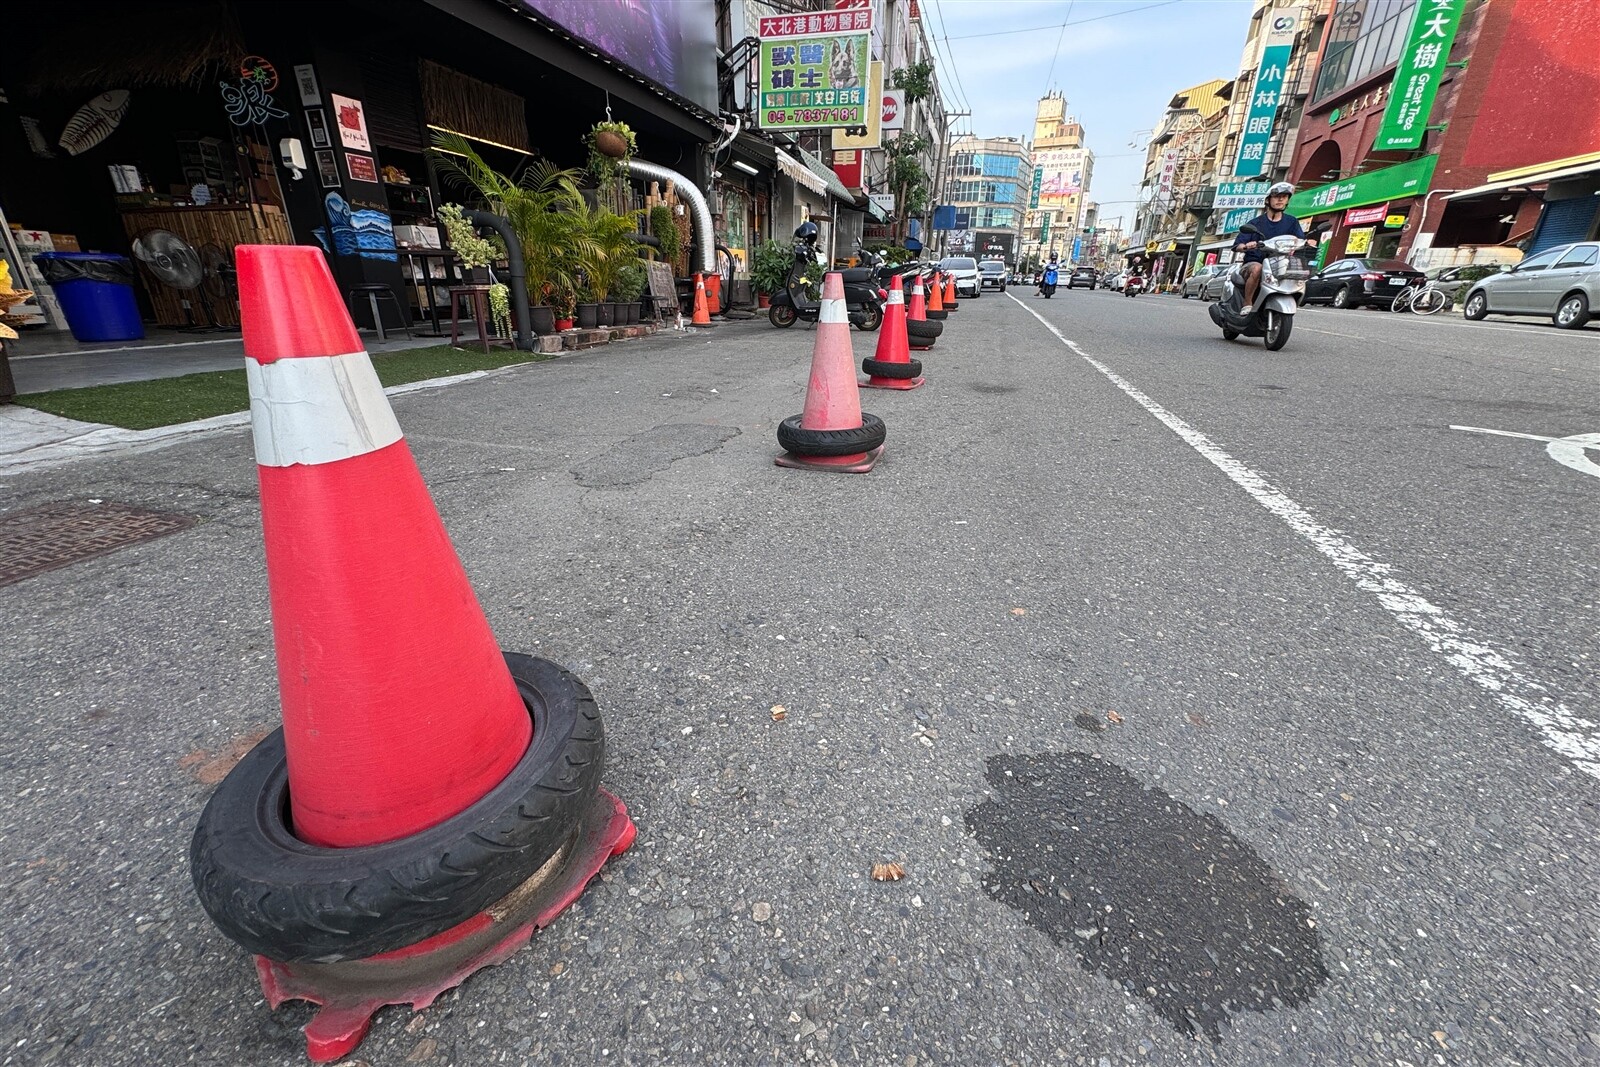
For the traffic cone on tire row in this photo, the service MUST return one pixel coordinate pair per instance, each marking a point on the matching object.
(702, 314)
(936, 310)
(892, 367)
(714, 294)
(921, 333)
(832, 433)
(951, 303)
(401, 831)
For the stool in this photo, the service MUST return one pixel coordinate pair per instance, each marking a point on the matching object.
(479, 296)
(372, 291)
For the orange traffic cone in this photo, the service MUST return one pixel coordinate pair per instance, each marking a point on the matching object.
(832, 433)
(936, 310)
(373, 851)
(702, 316)
(892, 367)
(714, 294)
(950, 301)
(920, 332)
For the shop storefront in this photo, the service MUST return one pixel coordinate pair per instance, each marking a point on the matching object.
(1369, 213)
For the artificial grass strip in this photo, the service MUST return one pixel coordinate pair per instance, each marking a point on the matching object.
(168, 401)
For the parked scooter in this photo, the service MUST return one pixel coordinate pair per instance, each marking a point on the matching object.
(1134, 285)
(1283, 283)
(793, 303)
(1047, 283)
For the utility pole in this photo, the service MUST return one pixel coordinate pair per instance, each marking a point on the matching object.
(940, 180)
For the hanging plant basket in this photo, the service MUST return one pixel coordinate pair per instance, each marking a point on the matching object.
(610, 143)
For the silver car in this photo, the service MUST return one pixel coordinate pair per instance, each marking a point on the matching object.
(964, 269)
(1562, 282)
(1206, 282)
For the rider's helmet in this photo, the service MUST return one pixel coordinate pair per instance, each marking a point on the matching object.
(1279, 189)
(807, 232)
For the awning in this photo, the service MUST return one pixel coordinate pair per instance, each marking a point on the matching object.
(1212, 246)
(825, 172)
(1535, 178)
(793, 168)
(876, 213)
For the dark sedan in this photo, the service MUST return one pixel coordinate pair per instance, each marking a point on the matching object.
(1351, 283)
(1086, 276)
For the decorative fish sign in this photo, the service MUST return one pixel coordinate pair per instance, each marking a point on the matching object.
(94, 122)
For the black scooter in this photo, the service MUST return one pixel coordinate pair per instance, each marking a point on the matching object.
(792, 304)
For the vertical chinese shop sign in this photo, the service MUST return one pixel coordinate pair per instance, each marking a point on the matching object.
(1266, 93)
(1416, 77)
(815, 70)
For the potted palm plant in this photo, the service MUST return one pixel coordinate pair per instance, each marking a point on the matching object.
(631, 282)
(607, 247)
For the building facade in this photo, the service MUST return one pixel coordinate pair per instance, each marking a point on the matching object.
(1063, 171)
(988, 183)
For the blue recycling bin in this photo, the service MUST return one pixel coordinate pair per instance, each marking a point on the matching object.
(96, 294)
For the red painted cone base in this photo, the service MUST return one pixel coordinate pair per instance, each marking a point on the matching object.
(352, 992)
(874, 382)
(860, 463)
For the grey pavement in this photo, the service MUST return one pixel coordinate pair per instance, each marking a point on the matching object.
(1211, 698)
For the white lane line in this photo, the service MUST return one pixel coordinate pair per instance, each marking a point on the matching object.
(1561, 729)
(1331, 333)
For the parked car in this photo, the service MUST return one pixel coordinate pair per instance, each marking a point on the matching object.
(1083, 276)
(1353, 282)
(992, 275)
(1115, 283)
(964, 269)
(1199, 283)
(1562, 282)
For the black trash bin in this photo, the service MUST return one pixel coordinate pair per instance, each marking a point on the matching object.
(96, 294)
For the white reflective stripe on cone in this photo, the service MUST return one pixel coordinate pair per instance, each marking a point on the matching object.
(833, 311)
(896, 296)
(318, 409)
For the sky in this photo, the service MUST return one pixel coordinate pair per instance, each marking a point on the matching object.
(1118, 63)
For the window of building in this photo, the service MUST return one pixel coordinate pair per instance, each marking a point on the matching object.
(1367, 36)
(995, 217)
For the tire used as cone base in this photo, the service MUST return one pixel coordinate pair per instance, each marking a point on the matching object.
(350, 993)
(860, 463)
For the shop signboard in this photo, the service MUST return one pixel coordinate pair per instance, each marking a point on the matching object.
(872, 137)
(1361, 216)
(351, 121)
(1393, 222)
(894, 110)
(1391, 183)
(1266, 93)
(815, 70)
(1059, 172)
(1038, 181)
(671, 44)
(997, 246)
(1416, 77)
(1358, 242)
(1237, 217)
(1168, 172)
(1232, 196)
(884, 202)
(847, 165)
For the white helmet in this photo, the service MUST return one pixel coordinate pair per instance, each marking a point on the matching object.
(1280, 189)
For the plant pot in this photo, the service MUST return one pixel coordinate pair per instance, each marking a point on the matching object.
(543, 319)
(607, 313)
(633, 313)
(477, 275)
(610, 143)
(619, 313)
(563, 324)
(763, 300)
(588, 316)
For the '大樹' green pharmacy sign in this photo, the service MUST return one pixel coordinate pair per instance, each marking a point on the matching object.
(1416, 77)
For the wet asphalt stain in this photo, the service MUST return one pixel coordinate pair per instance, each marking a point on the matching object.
(1144, 890)
(1084, 721)
(982, 387)
(635, 459)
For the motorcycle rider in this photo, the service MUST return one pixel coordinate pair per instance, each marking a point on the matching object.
(1274, 222)
(1049, 275)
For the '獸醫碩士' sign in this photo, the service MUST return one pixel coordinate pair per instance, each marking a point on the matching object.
(1416, 77)
(815, 70)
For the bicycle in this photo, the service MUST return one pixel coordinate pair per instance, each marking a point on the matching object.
(1424, 299)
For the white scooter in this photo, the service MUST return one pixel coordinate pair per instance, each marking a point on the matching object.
(1283, 281)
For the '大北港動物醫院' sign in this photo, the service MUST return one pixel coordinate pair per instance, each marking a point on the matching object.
(1416, 77)
(814, 70)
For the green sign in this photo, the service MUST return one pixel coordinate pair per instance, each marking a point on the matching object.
(814, 70)
(1390, 183)
(1266, 94)
(1238, 217)
(1416, 78)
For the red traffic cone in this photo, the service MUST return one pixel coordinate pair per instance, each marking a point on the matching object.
(702, 315)
(921, 332)
(936, 309)
(371, 853)
(714, 294)
(832, 433)
(951, 303)
(892, 367)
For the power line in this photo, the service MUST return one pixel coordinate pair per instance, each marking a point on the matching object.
(1057, 53)
(949, 54)
(1080, 22)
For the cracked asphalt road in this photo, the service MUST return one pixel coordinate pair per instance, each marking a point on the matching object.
(1224, 755)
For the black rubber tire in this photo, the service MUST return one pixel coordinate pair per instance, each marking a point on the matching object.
(1229, 335)
(867, 321)
(1476, 308)
(924, 328)
(899, 371)
(1344, 298)
(289, 901)
(1580, 312)
(1285, 324)
(802, 442)
(782, 316)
